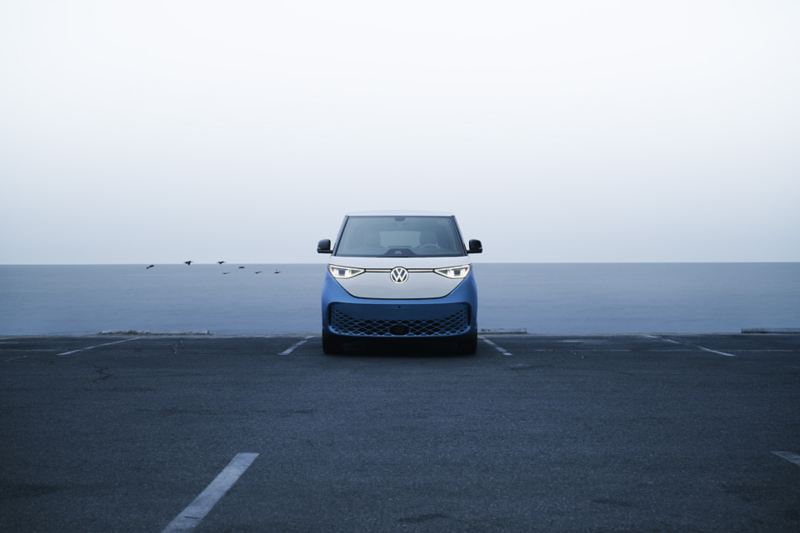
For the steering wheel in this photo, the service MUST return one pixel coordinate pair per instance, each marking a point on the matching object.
(399, 252)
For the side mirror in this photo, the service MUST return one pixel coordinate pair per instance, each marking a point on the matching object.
(475, 246)
(324, 246)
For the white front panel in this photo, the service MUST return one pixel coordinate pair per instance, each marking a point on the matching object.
(418, 285)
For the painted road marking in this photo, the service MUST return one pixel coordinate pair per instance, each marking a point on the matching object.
(190, 517)
(496, 347)
(789, 456)
(296, 345)
(98, 346)
(726, 354)
(703, 348)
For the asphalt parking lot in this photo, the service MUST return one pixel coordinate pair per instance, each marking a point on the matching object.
(617, 433)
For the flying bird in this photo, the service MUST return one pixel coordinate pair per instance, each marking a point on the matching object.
(148, 267)
(220, 262)
(188, 263)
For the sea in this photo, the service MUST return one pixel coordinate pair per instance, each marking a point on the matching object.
(272, 299)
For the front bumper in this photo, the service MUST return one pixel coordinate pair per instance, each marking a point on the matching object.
(454, 315)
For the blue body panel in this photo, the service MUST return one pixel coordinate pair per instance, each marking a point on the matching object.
(465, 294)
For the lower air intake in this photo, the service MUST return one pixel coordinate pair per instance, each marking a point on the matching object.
(456, 323)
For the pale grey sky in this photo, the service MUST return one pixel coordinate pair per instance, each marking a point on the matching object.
(158, 131)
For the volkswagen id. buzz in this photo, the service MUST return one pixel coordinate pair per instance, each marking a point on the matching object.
(399, 275)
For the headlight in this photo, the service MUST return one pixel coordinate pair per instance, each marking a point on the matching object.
(459, 272)
(340, 272)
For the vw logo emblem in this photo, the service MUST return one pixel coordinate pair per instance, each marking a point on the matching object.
(399, 275)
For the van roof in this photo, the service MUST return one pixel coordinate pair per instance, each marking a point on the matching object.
(399, 214)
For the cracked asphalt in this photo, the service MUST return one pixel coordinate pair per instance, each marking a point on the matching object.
(601, 433)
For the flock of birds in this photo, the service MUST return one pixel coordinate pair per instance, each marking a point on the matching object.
(189, 263)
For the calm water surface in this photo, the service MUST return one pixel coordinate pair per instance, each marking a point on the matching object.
(543, 298)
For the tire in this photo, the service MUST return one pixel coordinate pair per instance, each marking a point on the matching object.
(468, 345)
(332, 344)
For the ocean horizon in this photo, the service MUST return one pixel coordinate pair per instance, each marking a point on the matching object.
(541, 298)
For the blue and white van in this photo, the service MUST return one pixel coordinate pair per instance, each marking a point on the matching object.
(399, 275)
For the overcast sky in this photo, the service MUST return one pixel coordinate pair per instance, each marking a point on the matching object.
(154, 132)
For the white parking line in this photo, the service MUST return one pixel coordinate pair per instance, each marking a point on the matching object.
(295, 346)
(98, 346)
(789, 456)
(703, 348)
(190, 517)
(726, 354)
(496, 347)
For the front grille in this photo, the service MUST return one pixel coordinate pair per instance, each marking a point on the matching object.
(343, 323)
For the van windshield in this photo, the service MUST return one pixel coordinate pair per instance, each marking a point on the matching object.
(389, 236)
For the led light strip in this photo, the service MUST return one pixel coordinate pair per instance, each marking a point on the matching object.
(387, 270)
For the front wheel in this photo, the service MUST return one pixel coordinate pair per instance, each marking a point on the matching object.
(468, 345)
(332, 344)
